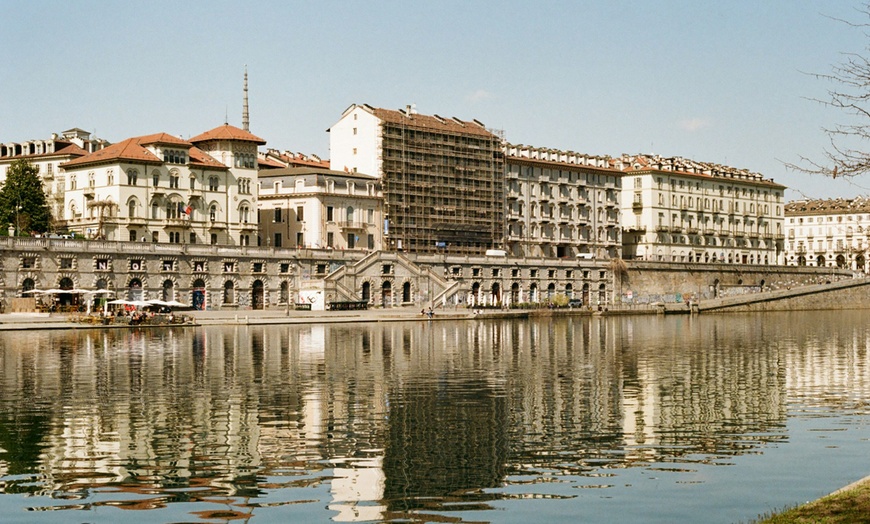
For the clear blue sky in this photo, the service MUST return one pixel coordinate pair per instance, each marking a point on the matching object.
(714, 81)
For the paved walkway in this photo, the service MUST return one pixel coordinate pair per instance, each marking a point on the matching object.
(24, 321)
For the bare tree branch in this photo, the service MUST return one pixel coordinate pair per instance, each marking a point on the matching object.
(850, 94)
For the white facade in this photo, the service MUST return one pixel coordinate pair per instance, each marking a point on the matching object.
(828, 233)
(319, 208)
(355, 141)
(160, 188)
(561, 204)
(677, 210)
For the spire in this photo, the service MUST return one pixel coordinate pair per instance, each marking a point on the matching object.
(245, 117)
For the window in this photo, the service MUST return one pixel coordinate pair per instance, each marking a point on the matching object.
(371, 241)
(278, 240)
(173, 180)
(213, 183)
(168, 265)
(243, 214)
(229, 267)
(284, 267)
(72, 182)
(192, 182)
(212, 213)
(131, 209)
(277, 215)
(132, 176)
(102, 264)
(330, 239)
(192, 239)
(258, 267)
(132, 235)
(299, 239)
(351, 241)
(300, 213)
(329, 214)
(66, 263)
(213, 239)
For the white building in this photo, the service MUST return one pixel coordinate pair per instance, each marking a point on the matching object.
(679, 210)
(47, 156)
(828, 233)
(320, 208)
(561, 204)
(162, 188)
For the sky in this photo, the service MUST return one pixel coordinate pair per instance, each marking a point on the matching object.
(726, 82)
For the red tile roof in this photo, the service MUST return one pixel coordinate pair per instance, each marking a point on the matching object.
(228, 132)
(133, 150)
(416, 120)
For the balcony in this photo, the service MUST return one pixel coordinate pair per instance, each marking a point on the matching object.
(637, 205)
(692, 230)
(176, 222)
(347, 225)
(662, 229)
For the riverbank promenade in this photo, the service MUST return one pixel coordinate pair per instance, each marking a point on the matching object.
(25, 321)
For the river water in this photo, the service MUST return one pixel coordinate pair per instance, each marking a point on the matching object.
(713, 418)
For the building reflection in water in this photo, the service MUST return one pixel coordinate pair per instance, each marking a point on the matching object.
(404, 418)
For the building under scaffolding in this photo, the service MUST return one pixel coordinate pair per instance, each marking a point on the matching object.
(443, 178)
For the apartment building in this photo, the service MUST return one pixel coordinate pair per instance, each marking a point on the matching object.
(561, 204)
(679, 210)
(161, 188)
(48, 155)
(828, 233)
(308, 207)
(442, 178)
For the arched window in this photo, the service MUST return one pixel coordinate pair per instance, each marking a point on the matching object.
(132, 176)
(212, 212)
(131, 209)
(229, 295)
(349, 214)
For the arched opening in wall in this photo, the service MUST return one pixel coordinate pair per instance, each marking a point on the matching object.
(585, 294)
(730, 258)
(706, 257)
(197, 296)
(134, 290)
(716, 288)
(366, 291)
(229, 292)
(496, 294)
(406, 292)
(515, 293)
(387, 294)
(168, 291)
(533, 293)
(860, 263)
(258, 295)
(802, 260)
(820, 261)
(602, 294)
(551, 291)
(27, 285)
(475, 294)
(841, 262)
(569, 291)
(284, 295)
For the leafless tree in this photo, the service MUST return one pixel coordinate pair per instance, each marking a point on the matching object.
(845, 156)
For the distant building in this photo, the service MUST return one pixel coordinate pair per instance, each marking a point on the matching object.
(442, 178)
(272, 158)
(828, 233)
(309, 207)
(561, 204)
(162, 188)
(680, 210)
(47, 156)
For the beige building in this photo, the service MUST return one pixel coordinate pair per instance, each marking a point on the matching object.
(561, 204)
(161, 188)
(679, 210)
(309, 207)
(47, 156)
(828, 233)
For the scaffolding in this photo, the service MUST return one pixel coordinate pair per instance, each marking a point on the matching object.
(443, 184)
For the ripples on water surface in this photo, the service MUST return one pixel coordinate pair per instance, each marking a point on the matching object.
(644, 419)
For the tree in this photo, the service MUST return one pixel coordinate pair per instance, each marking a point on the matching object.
(846, 155)
(22, 200)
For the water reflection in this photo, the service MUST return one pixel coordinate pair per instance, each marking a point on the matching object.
(401, 421)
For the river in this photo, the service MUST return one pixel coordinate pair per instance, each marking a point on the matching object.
(714, 418)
